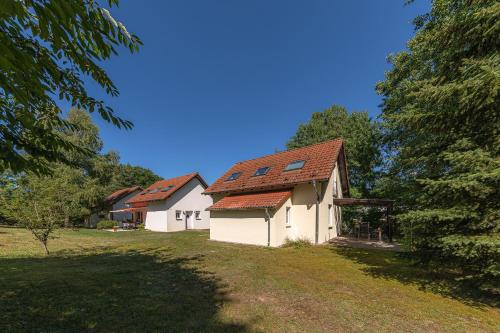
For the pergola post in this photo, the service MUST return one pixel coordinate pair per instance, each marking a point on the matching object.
(389, 222)
(371, 203)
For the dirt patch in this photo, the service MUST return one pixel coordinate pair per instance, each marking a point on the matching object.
(365, 244)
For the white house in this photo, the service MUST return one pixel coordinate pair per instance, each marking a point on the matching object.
(174, 204)
(114, 205)
(290, 194)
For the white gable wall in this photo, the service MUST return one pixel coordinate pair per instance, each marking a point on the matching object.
(189, 198)
(161, 214)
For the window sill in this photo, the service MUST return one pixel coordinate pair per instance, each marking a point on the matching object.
(288, 226)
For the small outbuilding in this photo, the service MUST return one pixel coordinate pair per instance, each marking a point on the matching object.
(173, 204)
(287, 195)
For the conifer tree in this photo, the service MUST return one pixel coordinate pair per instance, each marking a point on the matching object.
(442, 116)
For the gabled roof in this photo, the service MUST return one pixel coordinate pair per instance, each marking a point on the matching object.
(252, 200)
(319, 161)
(163, 189)
(120, 194)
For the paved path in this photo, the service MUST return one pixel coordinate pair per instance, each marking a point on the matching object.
(365, 244)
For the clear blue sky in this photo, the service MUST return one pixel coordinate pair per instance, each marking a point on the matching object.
(221, 81)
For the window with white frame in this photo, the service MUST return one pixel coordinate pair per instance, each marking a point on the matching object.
(178, 215)
(197, 215)
(335, 192)
(288, 220)
(330, 215)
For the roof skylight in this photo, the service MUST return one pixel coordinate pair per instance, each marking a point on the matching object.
(295, 165)
(167, 188)
(261, 171)
(233, 176)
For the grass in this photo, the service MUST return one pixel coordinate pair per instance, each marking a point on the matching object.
(97, 281)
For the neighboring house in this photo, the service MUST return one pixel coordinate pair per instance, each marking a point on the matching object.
(174, 204)
(114, 204)
(290, 194)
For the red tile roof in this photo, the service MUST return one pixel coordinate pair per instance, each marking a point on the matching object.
(117, 195)
(156, 191)
(252, 200)
(319, 163)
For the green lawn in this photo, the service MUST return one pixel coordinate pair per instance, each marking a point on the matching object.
(98, 281)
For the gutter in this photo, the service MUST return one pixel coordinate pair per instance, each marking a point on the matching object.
(268, 227)
(316, 236)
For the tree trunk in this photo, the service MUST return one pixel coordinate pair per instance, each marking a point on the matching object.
(46, 249)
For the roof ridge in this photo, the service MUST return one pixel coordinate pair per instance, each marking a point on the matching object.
(287, 151)
(191, 174)
(125, 189)
(176, 182)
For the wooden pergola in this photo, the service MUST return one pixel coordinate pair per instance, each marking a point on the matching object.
(388, 204)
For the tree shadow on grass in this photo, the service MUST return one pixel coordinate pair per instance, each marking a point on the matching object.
(133, 291)
(398, 266)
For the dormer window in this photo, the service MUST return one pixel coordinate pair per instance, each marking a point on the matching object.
(295, 165)
(233, 176)
(261, 171)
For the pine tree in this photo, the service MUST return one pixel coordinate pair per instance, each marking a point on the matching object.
(442, 116)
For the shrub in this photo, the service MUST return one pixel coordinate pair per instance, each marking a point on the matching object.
(298, 243)
(106, 224)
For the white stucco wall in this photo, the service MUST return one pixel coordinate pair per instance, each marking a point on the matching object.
(161, 215)
(279, 231)
(156, 217)
(325, 232)
(190, 198)
(304, 212)
(245, 226)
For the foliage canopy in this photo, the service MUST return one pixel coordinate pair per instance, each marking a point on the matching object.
(48, 48)
(360, 135)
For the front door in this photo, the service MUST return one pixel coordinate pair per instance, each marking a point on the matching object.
(189, 220)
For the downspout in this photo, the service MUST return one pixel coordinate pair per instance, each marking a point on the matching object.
(317, 211)
(268, 227)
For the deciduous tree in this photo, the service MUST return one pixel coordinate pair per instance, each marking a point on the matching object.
(47, 49)
(361, 139)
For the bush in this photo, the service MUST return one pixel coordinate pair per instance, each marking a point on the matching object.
(298, 243)
(106, 224)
